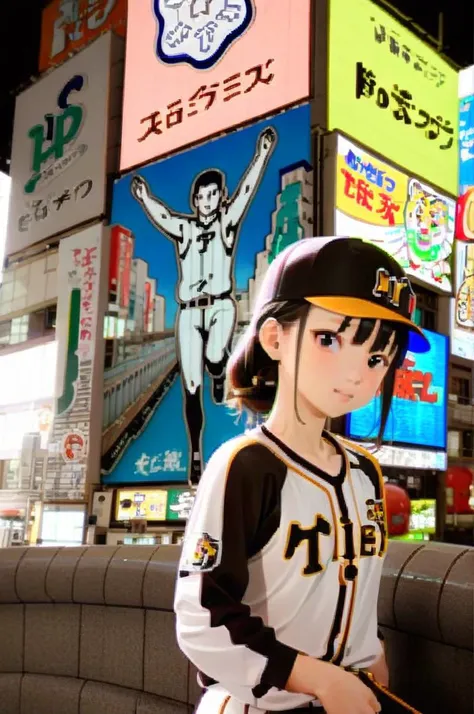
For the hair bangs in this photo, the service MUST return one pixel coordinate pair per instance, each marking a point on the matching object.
(365, 331)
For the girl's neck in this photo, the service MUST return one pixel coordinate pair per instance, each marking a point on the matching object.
(304, 434)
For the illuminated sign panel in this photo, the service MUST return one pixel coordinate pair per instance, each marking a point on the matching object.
(68, 26)
(392, 92)
(59, 149)
(405, 217)
(164, 405)
(195, 69)
(462, 327)
(418, 412)
(172, 504)
(465, 205)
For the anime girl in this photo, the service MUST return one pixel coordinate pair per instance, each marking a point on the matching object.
(284, 615)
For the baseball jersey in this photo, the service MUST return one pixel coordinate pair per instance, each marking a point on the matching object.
(205, 260)
(280, 558)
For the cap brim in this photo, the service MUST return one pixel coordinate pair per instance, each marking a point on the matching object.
(355, 307)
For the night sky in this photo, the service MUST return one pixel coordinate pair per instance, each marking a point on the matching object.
(20, 22)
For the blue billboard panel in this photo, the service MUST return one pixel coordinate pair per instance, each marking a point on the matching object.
(193, 236)
(466, 144)
(418, 412)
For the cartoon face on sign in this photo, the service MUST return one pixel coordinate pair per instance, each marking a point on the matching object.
(74, 446)
(428, 231)
(199, 32)
(465, 295)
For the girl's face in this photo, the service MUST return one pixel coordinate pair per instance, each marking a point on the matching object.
(341, 362)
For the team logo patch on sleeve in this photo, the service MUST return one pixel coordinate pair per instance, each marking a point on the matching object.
(202, 553)
(375, 510)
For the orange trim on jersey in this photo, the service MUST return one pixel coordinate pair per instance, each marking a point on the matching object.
(350, 615)
(224, 704)
(390, 694)
(375, 463)
(351, 483)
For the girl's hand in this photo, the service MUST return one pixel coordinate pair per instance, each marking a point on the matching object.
(338, 691)
(344, 692)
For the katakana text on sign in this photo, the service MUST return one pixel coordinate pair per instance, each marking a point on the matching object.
(170, 461)
(85, 261)
(391, 37)
(205, 97)
(40, 209)
(400, 102)
(360, 191)
(413, 384)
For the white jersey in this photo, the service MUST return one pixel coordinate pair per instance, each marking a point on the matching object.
(205, 260)
(280, 558)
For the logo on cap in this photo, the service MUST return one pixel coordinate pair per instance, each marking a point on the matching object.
(390, 287)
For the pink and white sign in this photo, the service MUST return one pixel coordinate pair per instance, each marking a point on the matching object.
(86, 263)
(194, 69)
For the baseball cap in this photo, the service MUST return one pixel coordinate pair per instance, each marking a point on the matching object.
(350, 277)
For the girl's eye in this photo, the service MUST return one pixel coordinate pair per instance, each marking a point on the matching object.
(377, 361)
(328, 341)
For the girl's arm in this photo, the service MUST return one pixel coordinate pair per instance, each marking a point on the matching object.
(235, 514)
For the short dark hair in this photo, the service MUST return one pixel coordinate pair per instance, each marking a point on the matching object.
(252, 376)
(205, 179)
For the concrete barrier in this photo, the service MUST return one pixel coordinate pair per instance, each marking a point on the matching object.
(90, 630)
(426, 609)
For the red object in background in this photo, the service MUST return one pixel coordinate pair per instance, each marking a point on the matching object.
(83, 20)
(120, 266)
(10, 513)
(126, 276)
(147, 306)
(459, 479)
(114, 262)
(464, 226)
(398, 509)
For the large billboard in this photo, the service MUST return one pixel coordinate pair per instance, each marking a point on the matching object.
(465, 205)
(67, 26)
(407, 218)
(204, 226)
(392, 92)
(195, 69)
(418, 412)
(77, 331)
(462, 327)
(59, 149)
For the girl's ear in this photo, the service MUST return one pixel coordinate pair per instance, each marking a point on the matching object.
(269, 336)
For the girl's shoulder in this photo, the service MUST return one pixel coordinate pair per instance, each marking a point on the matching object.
(243, 457)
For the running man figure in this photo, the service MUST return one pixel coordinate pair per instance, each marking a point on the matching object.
(205, 248)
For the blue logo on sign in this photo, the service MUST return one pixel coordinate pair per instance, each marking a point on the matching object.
(199, 32)
(466, 144)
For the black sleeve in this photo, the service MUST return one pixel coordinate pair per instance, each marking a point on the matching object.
(237, 510)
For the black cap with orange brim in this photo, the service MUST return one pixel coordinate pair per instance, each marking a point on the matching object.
(350, 277)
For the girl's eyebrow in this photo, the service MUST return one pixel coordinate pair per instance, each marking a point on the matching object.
(324, 326)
